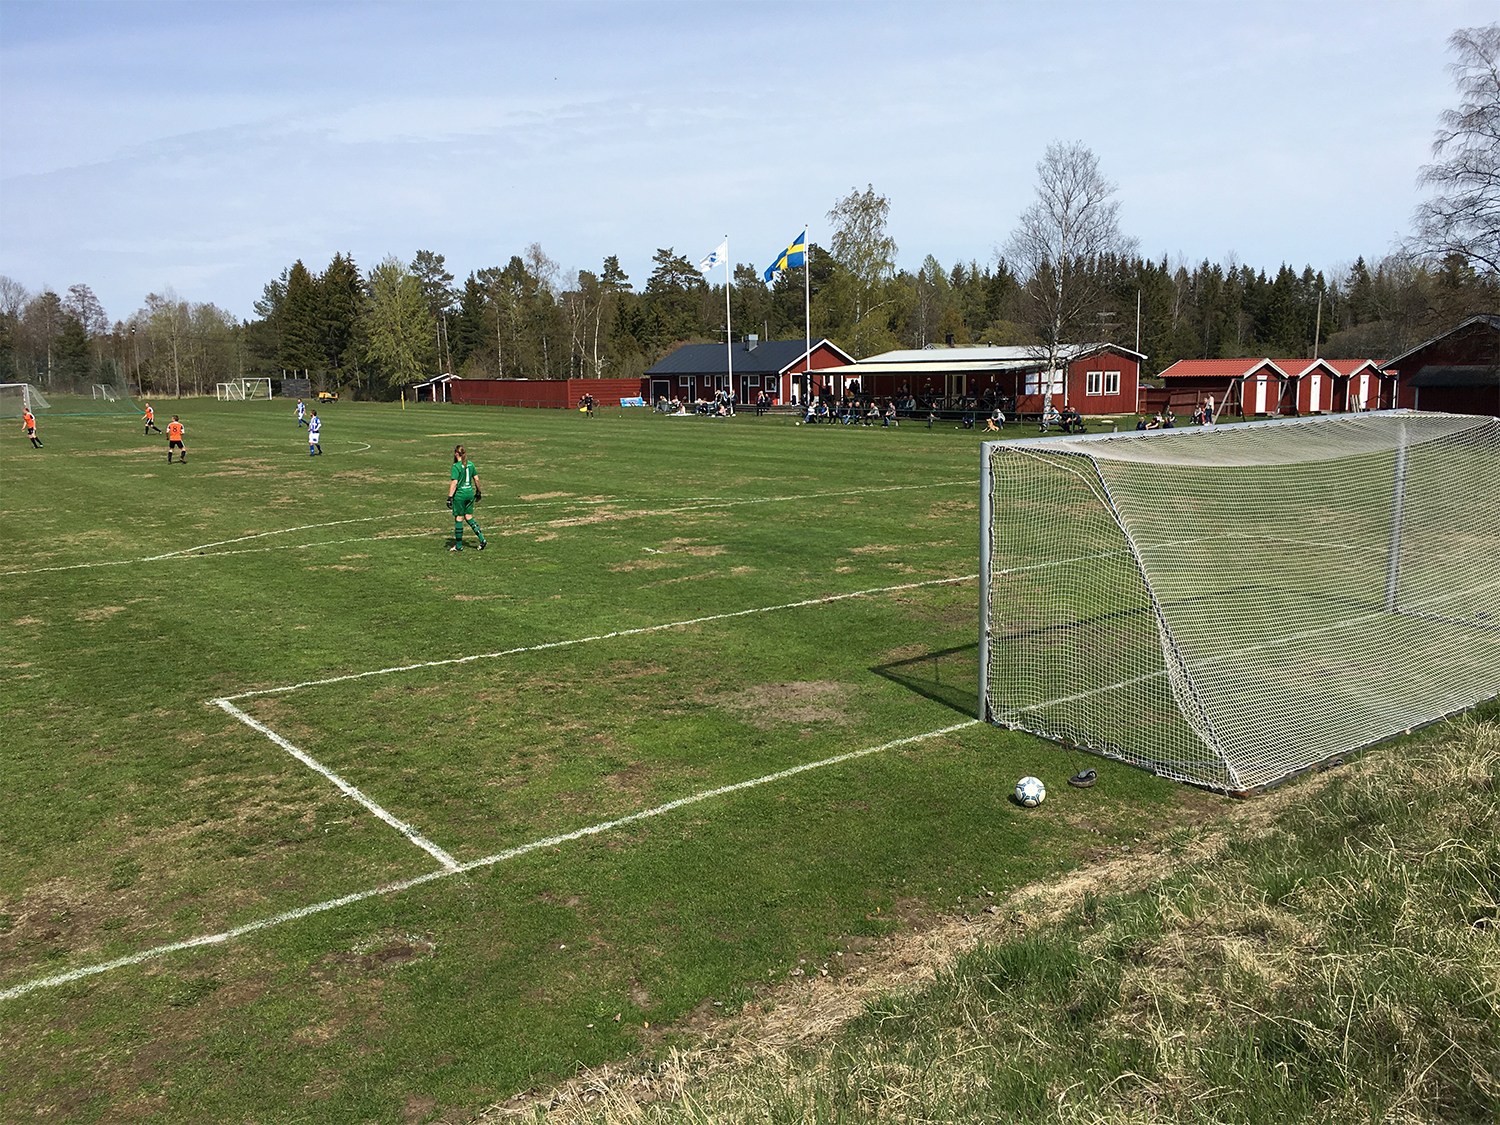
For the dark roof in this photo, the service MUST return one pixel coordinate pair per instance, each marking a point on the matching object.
(1489, 320)
(768, 357)
(1466, 375)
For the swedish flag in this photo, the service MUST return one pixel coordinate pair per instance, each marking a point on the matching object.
(793, 256)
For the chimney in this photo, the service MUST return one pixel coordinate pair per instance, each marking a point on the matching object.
(750, 342)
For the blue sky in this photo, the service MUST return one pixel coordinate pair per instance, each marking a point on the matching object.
(202, 147)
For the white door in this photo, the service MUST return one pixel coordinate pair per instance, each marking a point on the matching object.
(1260, 395)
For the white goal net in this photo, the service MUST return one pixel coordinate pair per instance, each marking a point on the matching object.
(239, 390)
(1230, 605)
(17, 398)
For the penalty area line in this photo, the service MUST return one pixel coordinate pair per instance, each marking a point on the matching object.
(637, 632)
(300, 912)
(347, 789)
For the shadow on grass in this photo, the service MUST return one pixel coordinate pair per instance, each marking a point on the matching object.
(949, 676)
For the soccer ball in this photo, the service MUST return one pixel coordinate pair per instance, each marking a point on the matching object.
(1030, 792)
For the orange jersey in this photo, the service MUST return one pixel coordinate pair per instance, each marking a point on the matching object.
(28, 421)
(174, 431)
(149, 415)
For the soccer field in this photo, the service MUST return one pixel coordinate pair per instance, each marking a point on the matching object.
(308, 818)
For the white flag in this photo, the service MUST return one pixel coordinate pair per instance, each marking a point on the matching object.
(716, 257)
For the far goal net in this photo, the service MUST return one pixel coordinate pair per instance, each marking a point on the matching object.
(1231, 605)
(238, 390)
(17, 398)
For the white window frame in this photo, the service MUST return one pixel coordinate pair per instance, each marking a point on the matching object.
(1101, 383)
(1036, 383)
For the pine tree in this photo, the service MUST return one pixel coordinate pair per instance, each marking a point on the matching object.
(300, 344)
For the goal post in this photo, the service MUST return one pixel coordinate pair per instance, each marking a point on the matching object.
(17, 398)
(1231, 605)
(240, 390)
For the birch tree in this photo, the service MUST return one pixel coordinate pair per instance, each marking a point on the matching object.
(1059, 240)
(1463, 217)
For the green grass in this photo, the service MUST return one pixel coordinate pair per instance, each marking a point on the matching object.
(137, 814)
(1332, 957)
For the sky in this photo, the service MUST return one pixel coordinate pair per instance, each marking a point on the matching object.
(198, 149)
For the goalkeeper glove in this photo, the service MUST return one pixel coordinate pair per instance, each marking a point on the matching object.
(448, 503)
(478, 495)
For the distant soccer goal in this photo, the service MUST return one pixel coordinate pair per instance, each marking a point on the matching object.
(107, 393)
(1231, 605)
(17, 398)
(238, 390)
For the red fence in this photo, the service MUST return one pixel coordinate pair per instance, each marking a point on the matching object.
(556, 394)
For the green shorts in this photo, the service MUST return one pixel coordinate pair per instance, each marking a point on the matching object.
(463, 504)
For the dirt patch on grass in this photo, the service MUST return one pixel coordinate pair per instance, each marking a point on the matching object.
(765, 706)
(529, 497)
(27, 621)
(654, 563)
(102, 613)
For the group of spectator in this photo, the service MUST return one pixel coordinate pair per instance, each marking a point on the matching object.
(852, 411)
(721, 405)
(1161, 420)
(1067, 419)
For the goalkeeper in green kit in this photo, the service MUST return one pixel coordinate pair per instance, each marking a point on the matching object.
(463, 490)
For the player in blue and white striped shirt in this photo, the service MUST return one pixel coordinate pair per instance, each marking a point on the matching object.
(314, 428)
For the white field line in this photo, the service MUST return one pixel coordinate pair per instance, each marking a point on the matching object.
(487, 861)
(636, 632)
(692, 505)
(348, 790)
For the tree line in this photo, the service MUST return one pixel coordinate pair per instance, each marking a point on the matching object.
(403, 323)
(1066, 275)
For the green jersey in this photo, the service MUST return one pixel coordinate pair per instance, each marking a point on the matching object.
(464, 472)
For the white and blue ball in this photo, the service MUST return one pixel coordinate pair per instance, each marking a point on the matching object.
(1030, 792)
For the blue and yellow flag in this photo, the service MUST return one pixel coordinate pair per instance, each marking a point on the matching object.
(793, 256)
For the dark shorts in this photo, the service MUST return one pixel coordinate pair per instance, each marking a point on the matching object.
(174, 445)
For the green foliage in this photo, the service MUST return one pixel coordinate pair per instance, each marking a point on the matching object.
(400, 340)
(301, 344)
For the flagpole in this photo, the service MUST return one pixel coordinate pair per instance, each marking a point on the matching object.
(807, 306)
(728, 328)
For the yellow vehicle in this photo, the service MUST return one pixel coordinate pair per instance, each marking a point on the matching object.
(328, 396)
